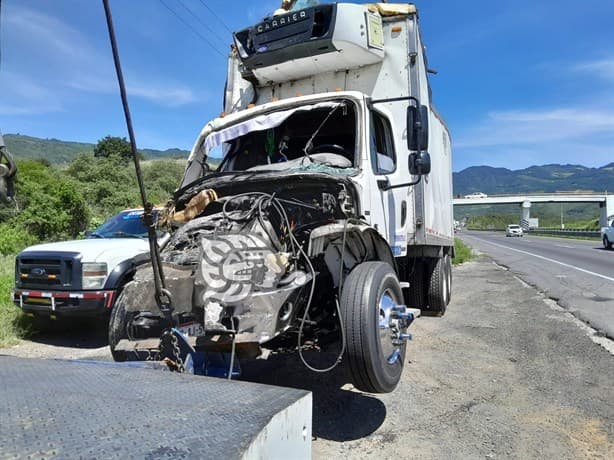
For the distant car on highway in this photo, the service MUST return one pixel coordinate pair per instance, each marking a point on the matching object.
(607, 236)
(476, 195)
(513, 230)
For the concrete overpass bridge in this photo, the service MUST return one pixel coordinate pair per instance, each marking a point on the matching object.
(605, 201)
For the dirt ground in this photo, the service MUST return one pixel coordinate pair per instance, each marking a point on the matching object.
(504, 374)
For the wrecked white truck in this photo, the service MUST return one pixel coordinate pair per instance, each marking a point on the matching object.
(315, 211)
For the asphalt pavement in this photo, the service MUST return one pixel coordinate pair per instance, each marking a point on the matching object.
(506, 373)
(578, 274)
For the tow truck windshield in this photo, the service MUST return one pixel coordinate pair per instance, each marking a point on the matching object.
(126, 224)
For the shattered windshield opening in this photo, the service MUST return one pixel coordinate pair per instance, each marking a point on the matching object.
(303, 138)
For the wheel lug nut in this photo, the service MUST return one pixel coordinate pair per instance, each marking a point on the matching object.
(404, 315)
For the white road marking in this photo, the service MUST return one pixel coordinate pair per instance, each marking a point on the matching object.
(549, 260)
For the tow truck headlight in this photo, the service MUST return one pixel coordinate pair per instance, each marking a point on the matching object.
(94, 275)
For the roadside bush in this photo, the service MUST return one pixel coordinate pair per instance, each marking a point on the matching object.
(462, 252)
(51, 205)
(13, 323)
(107, 183)
(13, 238)
(162, 178)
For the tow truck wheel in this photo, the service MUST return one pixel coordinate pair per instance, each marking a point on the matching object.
(373, 351)
(118, 328)
(438, 292)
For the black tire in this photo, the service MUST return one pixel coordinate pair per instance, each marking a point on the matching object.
(606, 242)
(360, 306)
(118, 329)
(415, 294)
(448, 265)
(438, 290)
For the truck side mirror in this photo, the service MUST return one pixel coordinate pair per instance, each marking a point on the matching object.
(417, 127)
(420, 163)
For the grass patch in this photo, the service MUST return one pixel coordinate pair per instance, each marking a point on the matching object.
(13, 323)
(462, 252)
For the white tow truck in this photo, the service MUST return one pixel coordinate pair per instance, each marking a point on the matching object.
(316, 211)
(81, 278)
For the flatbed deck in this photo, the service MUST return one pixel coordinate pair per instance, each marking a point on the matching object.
(80, 409)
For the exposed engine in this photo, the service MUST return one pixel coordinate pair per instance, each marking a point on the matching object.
(242, 264)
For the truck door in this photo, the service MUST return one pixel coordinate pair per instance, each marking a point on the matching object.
(391, 205)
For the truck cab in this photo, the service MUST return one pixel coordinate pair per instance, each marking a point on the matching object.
(316, 210)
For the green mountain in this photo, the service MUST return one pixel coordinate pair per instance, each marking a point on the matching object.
(486, 179)
(535, 179)
(57, 151)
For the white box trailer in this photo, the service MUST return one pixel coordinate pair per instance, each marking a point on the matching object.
(317, 209)
(377, 51)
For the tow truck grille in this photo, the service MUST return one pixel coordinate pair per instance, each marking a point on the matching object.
(46, 272)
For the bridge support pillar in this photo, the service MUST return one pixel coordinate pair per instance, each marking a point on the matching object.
(607, 211)
(526, 214)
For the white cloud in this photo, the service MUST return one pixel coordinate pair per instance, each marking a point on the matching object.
(159, 93)
(603, 68)
(65, 60)
(531, 127)
(521, 138)
(26, 97)
(51, 37)
(163, 95)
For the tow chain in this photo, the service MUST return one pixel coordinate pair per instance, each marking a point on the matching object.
(173, 358)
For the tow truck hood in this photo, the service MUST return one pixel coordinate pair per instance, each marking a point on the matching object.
(97, 249)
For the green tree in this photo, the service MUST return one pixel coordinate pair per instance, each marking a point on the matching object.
(54, 206)
(51, 204)
(113, 146)
(162, 178)
(108, 184)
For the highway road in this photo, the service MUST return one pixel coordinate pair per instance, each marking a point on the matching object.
(578, 274)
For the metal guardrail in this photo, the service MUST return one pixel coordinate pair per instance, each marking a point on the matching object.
(548, 231)
(558, 231)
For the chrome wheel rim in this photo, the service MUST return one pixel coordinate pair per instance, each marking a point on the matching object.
(389, 329)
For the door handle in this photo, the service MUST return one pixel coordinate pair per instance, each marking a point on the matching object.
(403, 212)
(383, 184)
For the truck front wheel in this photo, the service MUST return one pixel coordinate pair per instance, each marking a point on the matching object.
(606, 242)
(373, 351)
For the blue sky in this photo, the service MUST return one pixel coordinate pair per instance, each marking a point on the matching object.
(519, 83)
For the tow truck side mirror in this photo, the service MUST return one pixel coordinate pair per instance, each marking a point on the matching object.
(419, 163)
(417, 127)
